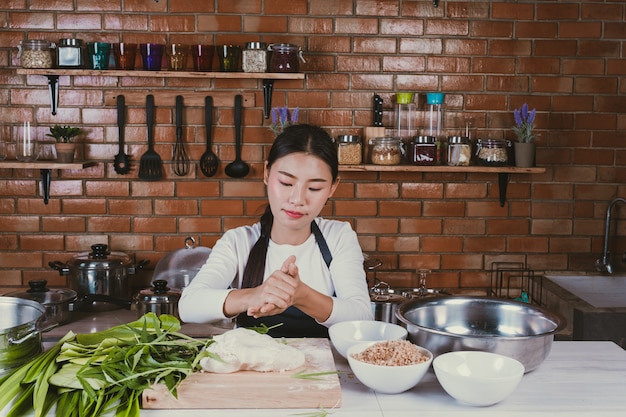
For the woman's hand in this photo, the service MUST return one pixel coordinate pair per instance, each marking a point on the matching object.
(278, 291)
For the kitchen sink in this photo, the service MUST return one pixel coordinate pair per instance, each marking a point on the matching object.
(593, 305)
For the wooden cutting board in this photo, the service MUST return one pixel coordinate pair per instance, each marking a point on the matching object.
(251, 389)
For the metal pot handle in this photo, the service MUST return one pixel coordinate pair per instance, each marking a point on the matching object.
(133, 269)
(63, 268)
(20, 340)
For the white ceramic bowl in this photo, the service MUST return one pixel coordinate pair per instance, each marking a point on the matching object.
(478, 378)
(387, 379)
(349, 333)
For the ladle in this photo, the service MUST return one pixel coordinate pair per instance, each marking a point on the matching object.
(237, 168)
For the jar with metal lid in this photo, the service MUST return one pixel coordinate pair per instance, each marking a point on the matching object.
(387, 151)
(459, 151)
(285, 57)
(254, 57)
(492, 152)
(424, 150)
(35, 53)
(349, 149)
(70, 53)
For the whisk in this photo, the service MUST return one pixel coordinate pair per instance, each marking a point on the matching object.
(181, 160)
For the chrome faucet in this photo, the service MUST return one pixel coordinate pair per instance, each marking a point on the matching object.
(604, 264)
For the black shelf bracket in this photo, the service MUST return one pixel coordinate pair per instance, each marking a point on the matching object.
(268, 89)
(503, 182)
(53, 88)
(45, 184)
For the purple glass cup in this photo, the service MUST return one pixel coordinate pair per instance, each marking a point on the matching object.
(151, 56)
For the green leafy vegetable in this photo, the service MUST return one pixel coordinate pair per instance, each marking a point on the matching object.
(313, 375)
(98, 373)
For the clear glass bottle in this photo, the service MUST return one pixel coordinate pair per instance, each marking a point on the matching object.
(349, 150)
(459, 151)
(35, 53)
(405, 116)
(387, 151)
(435, 116)
(254, 57)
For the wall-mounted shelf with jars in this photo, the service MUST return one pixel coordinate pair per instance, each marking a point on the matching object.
(504, 172)
(44, 168)
(268, 79)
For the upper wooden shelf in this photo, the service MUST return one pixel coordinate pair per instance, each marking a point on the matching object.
(163, 74)
(442, 168)
(45, 165)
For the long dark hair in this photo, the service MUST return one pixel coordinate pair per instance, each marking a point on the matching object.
(304, 138)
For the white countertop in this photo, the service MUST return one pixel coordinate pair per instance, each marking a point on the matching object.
(577, 379)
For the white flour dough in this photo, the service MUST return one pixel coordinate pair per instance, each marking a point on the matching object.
(244, 349)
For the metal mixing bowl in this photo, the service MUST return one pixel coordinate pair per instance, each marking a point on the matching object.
(444, 324)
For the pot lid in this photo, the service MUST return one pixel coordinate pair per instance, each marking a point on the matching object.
(159, 293)
(40, 293)
(383, 293)
(179, 267)
(100, 258)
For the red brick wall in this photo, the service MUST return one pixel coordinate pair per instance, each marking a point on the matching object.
(564, 58)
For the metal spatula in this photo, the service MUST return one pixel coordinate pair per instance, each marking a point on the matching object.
(150, 165)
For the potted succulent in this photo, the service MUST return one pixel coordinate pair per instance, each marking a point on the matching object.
(65, 146)
(525, 146)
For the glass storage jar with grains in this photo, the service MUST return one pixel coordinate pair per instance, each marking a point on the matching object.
(254, 57)
(35, 53)
(349, 149)
(492, 152)
(387, 151)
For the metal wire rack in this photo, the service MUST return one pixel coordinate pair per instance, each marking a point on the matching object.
(514, 280)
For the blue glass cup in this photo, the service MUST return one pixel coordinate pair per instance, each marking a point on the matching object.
(151, 56)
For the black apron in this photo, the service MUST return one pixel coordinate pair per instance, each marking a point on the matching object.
(294, 323)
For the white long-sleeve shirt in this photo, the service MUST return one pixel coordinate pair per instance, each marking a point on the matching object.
(203, 300)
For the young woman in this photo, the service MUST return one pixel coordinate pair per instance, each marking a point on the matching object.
(292, 268)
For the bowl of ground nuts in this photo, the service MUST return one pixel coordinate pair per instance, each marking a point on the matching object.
(390, 366)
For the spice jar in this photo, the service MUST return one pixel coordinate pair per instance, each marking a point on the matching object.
(349, 150)
(35, 53)
(70, 53)
(424, 150)
(254, 57)
(492, 152)
(459, 151)
(285, 57)
(386, 151)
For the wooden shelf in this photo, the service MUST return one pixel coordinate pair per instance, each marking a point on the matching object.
(503, 172)
(268, 78)
(44, 168)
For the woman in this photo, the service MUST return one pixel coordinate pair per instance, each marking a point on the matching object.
(293, 268)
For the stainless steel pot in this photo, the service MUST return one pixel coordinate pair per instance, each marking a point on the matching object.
(159, 299)
(59, 303)
(511, 328)
(100, 272)
(20, 332)
(385, 302)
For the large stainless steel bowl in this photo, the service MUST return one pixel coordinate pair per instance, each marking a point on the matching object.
(515, 329)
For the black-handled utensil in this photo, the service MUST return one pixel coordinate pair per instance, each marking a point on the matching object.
(121, 163)
(237, 168)
(378, 111)
(208, 161)
(150, 165)
(181, 160)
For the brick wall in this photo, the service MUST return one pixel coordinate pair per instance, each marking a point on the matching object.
(565, 58)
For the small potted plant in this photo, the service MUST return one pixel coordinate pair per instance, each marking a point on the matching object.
(65, 146)
(525, 146)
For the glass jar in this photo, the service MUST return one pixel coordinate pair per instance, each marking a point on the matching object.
(349, 150)
(254, 57)
(285, 57)
(386, 151)
(70, 53)
(424, 150)
(35, 53)
(492, 152)
(459, 151)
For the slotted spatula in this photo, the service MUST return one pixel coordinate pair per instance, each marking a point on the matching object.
(208, 161)
(150, 165)
(121, 163)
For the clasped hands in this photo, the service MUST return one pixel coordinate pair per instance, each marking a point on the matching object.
(278, 292)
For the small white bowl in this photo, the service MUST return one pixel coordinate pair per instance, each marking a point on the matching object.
(387, 379)
(478, 378)
(349, 333)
